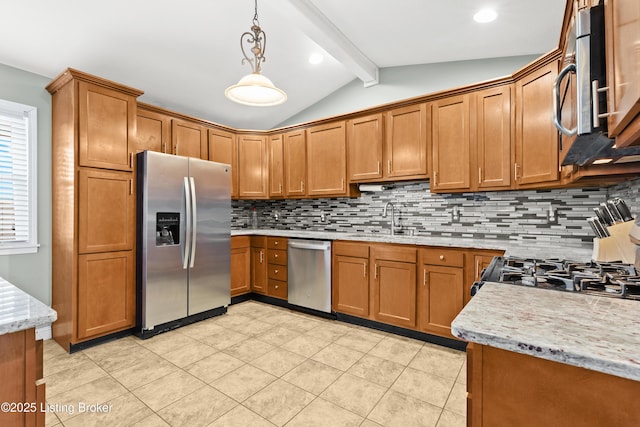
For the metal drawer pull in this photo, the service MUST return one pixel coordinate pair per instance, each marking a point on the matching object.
(275, 271)
(441, 257)
(275, 256)
(424, 278)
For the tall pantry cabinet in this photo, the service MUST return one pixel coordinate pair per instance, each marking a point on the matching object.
(93, 197)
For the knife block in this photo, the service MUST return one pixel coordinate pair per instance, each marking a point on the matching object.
(616, 247)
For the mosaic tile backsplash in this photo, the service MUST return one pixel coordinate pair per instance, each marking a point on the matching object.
(542, 215)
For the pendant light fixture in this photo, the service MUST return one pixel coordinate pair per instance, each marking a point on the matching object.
(255, 89)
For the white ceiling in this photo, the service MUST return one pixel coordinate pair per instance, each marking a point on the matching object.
(184, 54)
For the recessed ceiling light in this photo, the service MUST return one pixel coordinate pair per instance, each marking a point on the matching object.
(316, 58)
(485, 15)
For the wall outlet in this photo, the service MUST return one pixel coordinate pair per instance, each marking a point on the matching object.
(323, 216)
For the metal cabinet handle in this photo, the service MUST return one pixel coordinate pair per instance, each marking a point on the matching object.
(378, 167)
(435, 178)
(275, 243)
(515, 171)
(131, 160)
(441, 257)
(302, 186)
(424, 277)
(389, 167)
(275, 271)
(261, 256)
(275, 255)
(375, 271)
(479, 175)
(557, 107)
(277, 286)
(364, 270)
(130, 187)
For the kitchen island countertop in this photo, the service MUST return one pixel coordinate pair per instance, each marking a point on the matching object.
(20, 311)
(592, 332)
(514, 248)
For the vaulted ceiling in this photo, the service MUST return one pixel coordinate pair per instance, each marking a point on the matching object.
(184, 54)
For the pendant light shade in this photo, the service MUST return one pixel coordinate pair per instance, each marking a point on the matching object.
(255, 89)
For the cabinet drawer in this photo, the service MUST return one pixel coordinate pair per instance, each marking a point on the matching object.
(240, 242)
(357, 250)
(447, 257)
(277, 272)
(277, 243)
(277, 256)
(278, 289)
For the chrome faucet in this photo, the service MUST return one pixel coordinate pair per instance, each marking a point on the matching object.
(393, 216)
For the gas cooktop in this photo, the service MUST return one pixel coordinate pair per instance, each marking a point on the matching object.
(612, 279)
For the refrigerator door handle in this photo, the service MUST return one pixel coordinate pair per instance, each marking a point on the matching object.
(187, 243)
(194, 221)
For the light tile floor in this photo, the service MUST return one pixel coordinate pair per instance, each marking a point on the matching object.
(258, 365)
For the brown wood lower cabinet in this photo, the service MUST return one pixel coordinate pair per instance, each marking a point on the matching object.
(277, 267)
(240, 265)
(350, 279)
(505, 388)
(393, 284)
(259, 264)
(21, 372)
(381, 282)
(106, 293)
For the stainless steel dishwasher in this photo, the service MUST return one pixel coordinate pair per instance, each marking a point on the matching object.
(310, 274)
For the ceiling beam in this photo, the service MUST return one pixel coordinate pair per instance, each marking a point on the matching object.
(321, 30)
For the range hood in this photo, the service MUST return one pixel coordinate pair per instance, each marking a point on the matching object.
(597, 148)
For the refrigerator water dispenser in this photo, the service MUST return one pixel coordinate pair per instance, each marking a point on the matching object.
(167, 228)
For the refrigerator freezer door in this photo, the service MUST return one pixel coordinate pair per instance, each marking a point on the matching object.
(164, 278)
(209, 278)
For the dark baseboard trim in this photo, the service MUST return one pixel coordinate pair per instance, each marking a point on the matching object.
(100, 340)
(158, 329)
(422, 336)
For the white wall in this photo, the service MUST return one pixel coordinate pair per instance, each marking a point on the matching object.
(397, 83)
(32, 272)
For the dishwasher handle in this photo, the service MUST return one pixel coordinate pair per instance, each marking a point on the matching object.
(311, 245)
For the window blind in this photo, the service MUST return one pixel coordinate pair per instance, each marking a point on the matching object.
(15, 215)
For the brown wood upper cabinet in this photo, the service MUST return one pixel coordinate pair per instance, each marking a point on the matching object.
(364, 147)
(493, 138)
(536, 138)
(253, 171)
(153, 131)
(223, 148)
(99, 145)
(623, 73)
(451, 143)
(189, 139)
(276, 166)
(405, 145)
(327, 160)
(389, 147)
(295, 163)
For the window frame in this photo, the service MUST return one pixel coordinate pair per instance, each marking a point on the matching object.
(31, 245)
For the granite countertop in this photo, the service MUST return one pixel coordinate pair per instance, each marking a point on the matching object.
(511, 248)
(593, 332)
(19, 310)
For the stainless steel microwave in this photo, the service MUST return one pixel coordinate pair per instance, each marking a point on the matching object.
(588, 67)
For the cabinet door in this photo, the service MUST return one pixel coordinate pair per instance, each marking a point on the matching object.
(326, 160)
(240, 270)
(276, 166)
(252, 167)
(493, 135)
(295, 163)
(153, 131)
(406, 142)
(258, 270)
(442, 298)
(536, 141)
(106, 293)
(394, 292)
(350, 285)
(189, 139)
(106, 211)
(364, 148)
(393, 284)
(623, 54)
(451, 144)
(223, 149)
(106, 128)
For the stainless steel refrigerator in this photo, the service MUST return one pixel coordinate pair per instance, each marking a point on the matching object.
(184, 223)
